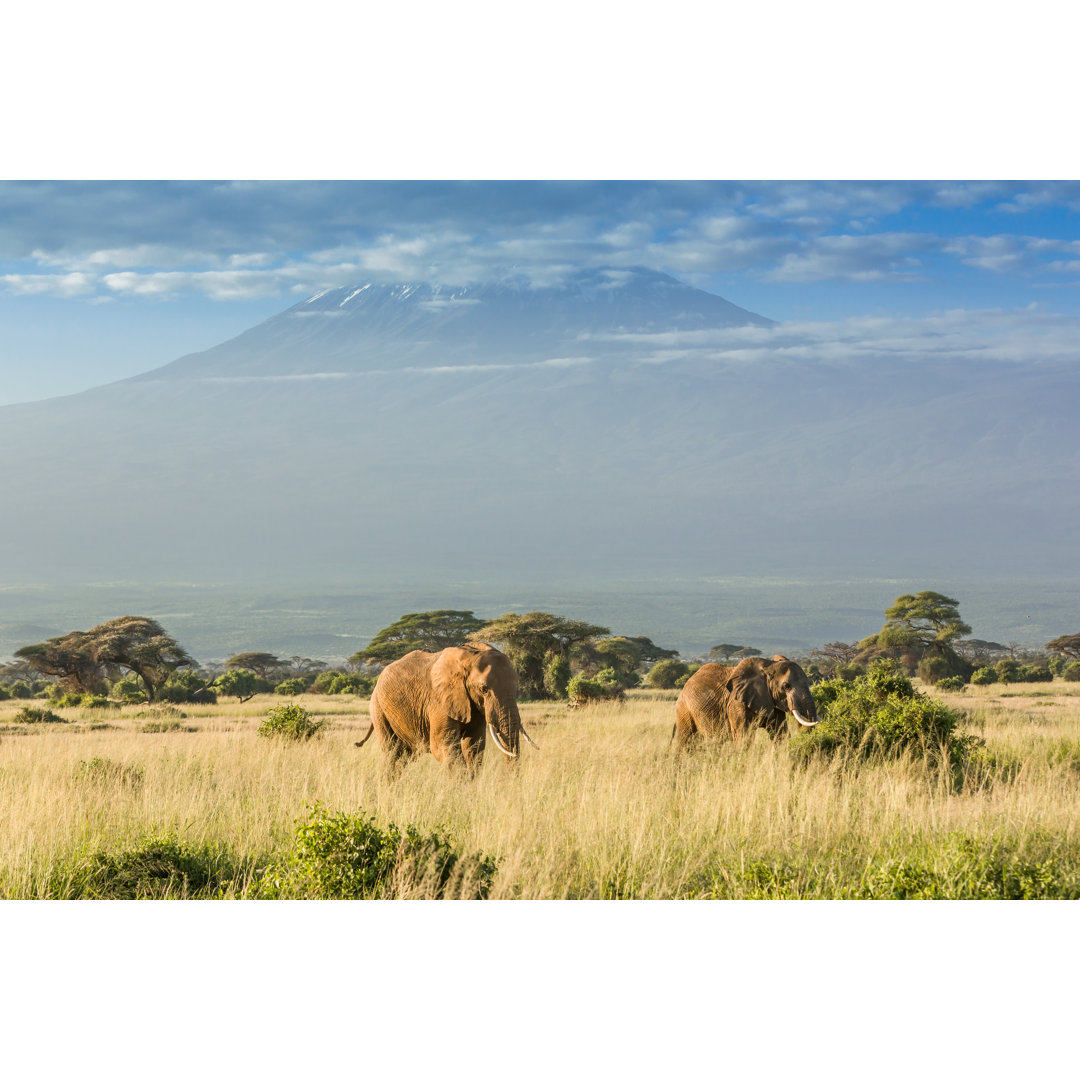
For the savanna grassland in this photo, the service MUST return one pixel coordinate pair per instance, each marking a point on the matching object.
(202, 806)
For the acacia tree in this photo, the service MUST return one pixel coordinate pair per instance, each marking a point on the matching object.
(68, 658)
(431, 631)
(137, 644)
(262, 663)
(1068, 645)
(927, 621)
(725, 652)
(918, 630)
(535, 640)
(85, 659)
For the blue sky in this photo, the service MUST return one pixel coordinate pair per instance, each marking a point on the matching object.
(101, 280)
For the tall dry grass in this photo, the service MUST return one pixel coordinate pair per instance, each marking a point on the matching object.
(602, 809)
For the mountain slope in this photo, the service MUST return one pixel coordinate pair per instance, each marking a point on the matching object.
(532, 434)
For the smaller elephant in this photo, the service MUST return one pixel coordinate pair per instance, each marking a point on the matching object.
(721, 702)
(446, 703)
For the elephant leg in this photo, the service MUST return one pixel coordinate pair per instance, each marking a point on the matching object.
(473, 740)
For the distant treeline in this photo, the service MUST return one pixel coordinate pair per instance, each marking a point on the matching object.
(132, 659)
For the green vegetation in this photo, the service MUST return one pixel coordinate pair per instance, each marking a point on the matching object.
(349, 857)
(30, 715)
(289, 722)
(880, 715)
(665, 674)
(87, 660)
(728, 654)
(431, 631)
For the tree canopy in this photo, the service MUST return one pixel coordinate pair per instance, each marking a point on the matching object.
(1068, 645)
(724, 651)
(927, 621)
(262, 663)
(431, 631)
(533, 640)
(84, 660)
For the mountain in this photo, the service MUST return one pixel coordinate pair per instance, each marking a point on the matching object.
(578, 431)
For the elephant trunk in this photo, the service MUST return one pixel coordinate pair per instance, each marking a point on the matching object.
(504, 724)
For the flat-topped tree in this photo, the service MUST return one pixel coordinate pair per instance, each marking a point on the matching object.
(533, 640)
(724, 652)
(262, 663)
(86, 659)
(927, 620)
(431, 631)
(1068, 645)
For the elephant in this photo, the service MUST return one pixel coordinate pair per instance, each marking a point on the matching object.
(446, 702)
(719, 702)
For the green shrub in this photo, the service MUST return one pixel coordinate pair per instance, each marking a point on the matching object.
(349, 857)
(557, 676)
(1071, 671)
(984, 676)
(951, 682)
(19, 690)
(881, 715)
(291, 687)
(1007, 670)
(350, 683)
(241, 684)
(30, 715)
(581, 690)
(158, 866)
(106, 771)
(186, 687)
(1035, 673)
(289, 722)
(664, 674)
(128, 690)
(4, 692)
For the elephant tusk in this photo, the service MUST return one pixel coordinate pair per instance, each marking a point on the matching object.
(805, 723)
(499, 743)
(521, 727)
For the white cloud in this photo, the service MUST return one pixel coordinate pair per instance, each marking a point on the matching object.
(855, 258)
(953, 336)
(63, 285)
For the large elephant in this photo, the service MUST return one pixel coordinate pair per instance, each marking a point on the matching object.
(721, 702)
(447, 702)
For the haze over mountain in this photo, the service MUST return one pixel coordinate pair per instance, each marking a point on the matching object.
(611, 425)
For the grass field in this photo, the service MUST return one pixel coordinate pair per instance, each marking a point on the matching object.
(601, 810)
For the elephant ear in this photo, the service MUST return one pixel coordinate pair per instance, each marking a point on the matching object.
(750, 687)
(448, 675)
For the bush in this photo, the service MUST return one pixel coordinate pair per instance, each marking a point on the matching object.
(1035, 673)
(183, 687)
(20, 690)
(348, 857)
(1071, 671)
(128, 690)
(341, 682)
(29, 715)
(581, 690)
(158, 866)
(881, 715)
(557, 676)
(289, 722)
(1007, 670)
(664, 674)
(984, 676)
(951, 682)
(291, 687)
